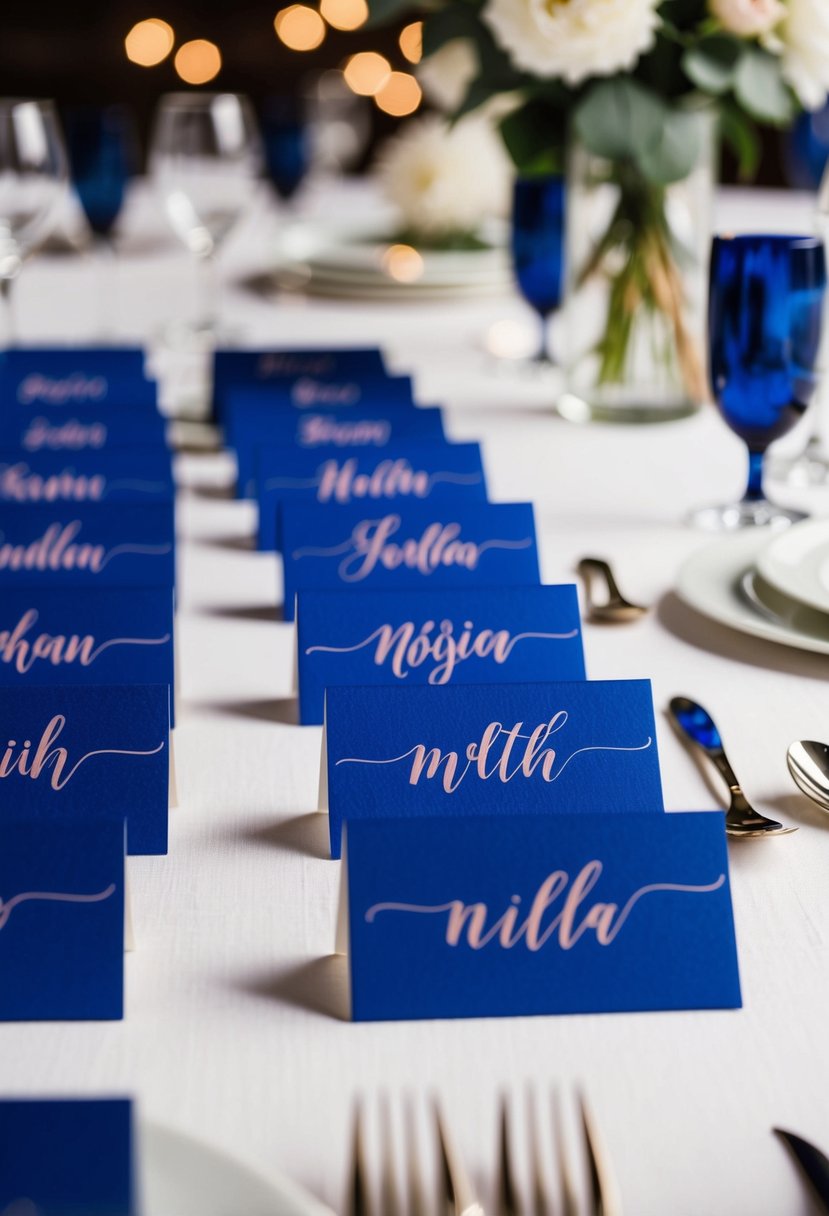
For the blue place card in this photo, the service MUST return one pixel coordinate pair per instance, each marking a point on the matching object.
(370, 428)
(483, 635)
(80, 430)
(61, 920)
(515, 915)
(71, 752)
(73, 377)
(233, 367)
(401, 472)
(476, 749)
(133, 474)
(309, 393)
(447, 543)
(86, 635)
(85, 544)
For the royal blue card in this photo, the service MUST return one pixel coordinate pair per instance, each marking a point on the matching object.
(67, 1156)
(61, 918)
(71, 752)
(527, 914)
(133, 474)
(369, 428)
(69, 378)
(86, 635)
(483, 635)
(400, 473)
(80, 430)
(309, 393)
(446, 543)
(85, 544)
(480, 749)
(232, 367)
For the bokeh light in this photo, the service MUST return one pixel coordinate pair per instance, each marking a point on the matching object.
(402, 263)
(149, 42)
(399, 96)
(299, 27)
(411, 41)
(345, 14)
(198, 61)
(367, 72)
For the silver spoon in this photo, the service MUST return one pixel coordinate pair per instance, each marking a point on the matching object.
(696, 725)
(612, 607)
(809, 766)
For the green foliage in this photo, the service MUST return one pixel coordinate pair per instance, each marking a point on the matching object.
(535, 136)
(712, 63)
(383, 12)
(760, 88)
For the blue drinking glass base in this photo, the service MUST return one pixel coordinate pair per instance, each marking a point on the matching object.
(749, 513)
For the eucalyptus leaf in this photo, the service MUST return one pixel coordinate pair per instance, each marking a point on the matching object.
(741, 135)
(673, 154)
(759, 87)
(534, 136)
(711, 65)
(618, 118)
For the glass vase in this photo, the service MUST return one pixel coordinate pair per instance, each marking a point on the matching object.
(637, 258)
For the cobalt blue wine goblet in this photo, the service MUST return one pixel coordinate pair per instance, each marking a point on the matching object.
(538, 247)
(286, 144)
(101, 143)
(765, 308)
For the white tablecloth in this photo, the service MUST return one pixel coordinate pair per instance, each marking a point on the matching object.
(228, 1031)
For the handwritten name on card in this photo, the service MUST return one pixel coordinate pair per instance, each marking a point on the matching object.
(437, 637)
(459, 750)
(232, 368)
(82, 431)
(495, 916)
(97, 750)
(126, 475)
(451, 543)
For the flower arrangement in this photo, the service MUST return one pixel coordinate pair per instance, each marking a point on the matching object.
(629, 78)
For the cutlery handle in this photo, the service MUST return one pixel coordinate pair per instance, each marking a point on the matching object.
(699, 728)
(598, 565)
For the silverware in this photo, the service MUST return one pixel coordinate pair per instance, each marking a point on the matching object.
(455, 1195)
(809, 766)
(604, 1195)
(611, 606)
(812, 1162)
(696, 725)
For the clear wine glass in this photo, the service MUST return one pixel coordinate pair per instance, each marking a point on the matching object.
(205, 158)
(765, 308)
(33, 181)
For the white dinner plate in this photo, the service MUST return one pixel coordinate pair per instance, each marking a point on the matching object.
(796, 562)
(184, 1177)
(711, 581)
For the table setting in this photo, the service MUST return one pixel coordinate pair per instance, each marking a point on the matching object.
(414, 620)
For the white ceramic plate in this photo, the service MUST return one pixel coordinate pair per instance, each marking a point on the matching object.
(796, 562)
(711, 581)
(183, 1177)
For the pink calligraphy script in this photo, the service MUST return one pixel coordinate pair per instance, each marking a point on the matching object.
(7, 906)
(341, 482)
(21, 648)
(59, 549)
(72, 435)
(33, 761)
(75, 387)
(317, 429)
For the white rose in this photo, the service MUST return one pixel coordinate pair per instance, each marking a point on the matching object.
(748, 18)
(445, 179)
(574, 39)
(803, 42)
(446, 75)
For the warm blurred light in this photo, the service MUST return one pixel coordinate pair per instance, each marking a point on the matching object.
(402, 263)
(344, 14)
(367, 72)
(198, 61)
(508, 339)
(411, 41)
(399, 96)
(300, 28)
(149, 42)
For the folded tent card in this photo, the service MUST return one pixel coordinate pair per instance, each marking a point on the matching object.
(66, 544)
(404, 471)
(69, 752)
(62, 920)
(83, 429)
(272, 367)
(508, 915)
(510, 749)
(371, 428)
(435, 636)
(131, 474)
(447, 543)
(67, 1157)
(309, 393)
(71, 377)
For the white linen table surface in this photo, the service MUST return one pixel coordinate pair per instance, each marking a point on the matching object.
(228, 1034)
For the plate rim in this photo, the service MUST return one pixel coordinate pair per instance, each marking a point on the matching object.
(770, 571)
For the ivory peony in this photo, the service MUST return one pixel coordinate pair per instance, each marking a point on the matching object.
(445, 179)
(803, 41)
(748, 18)
(574, 39)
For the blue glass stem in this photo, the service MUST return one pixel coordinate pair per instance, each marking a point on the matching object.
(754, 489)
(544, 354)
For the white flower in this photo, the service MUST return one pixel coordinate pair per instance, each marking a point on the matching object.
(446, 75)
(804, 35)
(574, 39)
(445, 179)
(748, 18)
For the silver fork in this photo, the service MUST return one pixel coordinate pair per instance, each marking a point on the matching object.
(454, 1194)
(603, 1192)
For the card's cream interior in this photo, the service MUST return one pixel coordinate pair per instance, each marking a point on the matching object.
(322, 800)
(342, 941)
